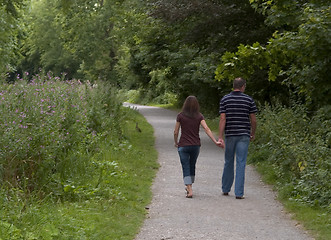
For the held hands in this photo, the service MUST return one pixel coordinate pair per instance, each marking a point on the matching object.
(220, 143)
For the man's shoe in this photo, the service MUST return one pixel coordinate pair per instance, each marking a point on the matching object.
(242, 197)
(226, 194)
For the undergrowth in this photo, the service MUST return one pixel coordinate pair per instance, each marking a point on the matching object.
(292, 152)
(118, 216)
(80, 170)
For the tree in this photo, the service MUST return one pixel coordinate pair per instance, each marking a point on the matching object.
(74, 37)
(298, 54)
(9, 31)
(187, 41)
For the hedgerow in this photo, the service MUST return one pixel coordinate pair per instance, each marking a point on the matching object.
(298, 149)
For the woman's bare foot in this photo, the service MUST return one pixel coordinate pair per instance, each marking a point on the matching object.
(189, 191)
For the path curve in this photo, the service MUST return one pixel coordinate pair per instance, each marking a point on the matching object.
(209, 215)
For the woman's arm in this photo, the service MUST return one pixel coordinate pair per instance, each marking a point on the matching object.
(176, 132)
(209, 132)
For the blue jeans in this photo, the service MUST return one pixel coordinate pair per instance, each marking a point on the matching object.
(235, 146)
(188, 158)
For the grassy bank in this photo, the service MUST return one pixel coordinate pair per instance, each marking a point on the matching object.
(316, 220)
(72, 165)
(118, 217)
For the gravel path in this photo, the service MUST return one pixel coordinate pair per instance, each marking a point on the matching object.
(208, 215)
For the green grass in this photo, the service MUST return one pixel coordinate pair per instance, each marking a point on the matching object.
(316, 220)
(165, 106)
(117, 217)
(213, 124)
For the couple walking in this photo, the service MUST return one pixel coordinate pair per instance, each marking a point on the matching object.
(238, 124)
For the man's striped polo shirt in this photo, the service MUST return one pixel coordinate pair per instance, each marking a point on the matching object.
(237, 107)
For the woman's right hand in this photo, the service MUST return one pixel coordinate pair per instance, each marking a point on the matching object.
(220, 143)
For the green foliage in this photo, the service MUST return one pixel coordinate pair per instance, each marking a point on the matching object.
(298, 149)
(72, 164)
(285, 13)
(307, 69)
(163, 48)
(209, 24)
(129, 168)
(9, 32)
(9, 231)
(315, 219)
(250, 62)
(237, 64)
(179, 44)
(58, 41)
(297, 56)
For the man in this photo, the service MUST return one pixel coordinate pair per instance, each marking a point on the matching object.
(238, 123)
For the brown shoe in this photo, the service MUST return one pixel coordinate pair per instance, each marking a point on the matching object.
(226, 194)
(242, 197)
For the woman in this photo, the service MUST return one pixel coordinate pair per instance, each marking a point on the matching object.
(189, 120)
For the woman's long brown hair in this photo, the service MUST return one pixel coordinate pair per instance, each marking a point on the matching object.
(191, 107)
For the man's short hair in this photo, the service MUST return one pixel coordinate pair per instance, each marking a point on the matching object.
(238, 83)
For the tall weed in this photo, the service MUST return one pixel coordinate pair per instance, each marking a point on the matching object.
(51, 134)
(109, 205)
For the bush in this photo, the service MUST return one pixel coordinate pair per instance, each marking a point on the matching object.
(298, 148)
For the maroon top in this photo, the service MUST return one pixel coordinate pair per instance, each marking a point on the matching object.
(189, 130)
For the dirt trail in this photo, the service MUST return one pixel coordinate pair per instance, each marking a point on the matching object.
(209, 215)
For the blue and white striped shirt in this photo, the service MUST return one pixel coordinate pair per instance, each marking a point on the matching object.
(237, 107)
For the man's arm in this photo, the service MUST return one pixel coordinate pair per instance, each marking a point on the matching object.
(221, 128)
(253, 125)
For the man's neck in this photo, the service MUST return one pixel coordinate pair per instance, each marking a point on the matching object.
(239, 89)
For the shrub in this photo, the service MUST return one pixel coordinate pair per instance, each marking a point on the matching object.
(298, 148)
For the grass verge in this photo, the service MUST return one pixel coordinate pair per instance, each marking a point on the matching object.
(118, 217)
(314, 219)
